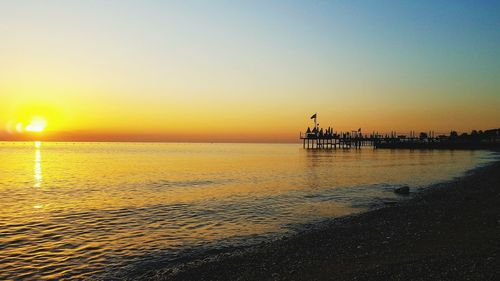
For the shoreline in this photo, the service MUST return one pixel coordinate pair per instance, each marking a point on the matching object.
(448, 231)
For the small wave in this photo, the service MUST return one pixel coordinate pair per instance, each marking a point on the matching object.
(183, 183)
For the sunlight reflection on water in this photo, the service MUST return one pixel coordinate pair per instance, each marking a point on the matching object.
(38, 167)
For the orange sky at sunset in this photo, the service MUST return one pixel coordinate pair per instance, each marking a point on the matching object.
(210, 72)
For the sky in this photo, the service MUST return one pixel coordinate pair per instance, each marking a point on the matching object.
(245, 71)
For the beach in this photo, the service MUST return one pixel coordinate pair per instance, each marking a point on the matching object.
(249, 140)
(449, 231)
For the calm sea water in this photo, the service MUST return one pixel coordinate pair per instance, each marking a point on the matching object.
(108, 210)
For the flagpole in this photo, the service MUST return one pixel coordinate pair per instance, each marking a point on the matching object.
(316, 123)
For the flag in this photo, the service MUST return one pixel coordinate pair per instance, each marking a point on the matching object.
(314, 116)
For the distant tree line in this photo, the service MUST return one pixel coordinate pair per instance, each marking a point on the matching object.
(492, 135)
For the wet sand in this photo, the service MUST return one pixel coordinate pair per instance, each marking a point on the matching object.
(451, 231)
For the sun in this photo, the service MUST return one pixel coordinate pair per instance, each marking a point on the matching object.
(36, 125)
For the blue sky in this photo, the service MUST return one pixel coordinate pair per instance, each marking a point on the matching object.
(254, 61)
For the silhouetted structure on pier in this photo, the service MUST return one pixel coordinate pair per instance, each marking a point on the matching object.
(319, 138)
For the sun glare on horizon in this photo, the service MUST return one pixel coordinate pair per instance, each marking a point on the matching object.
(36, 125)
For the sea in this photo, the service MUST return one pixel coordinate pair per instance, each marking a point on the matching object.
(109, 211)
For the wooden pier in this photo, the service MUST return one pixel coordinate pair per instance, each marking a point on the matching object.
(319, 138)
(333, 141)
(489, 139)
